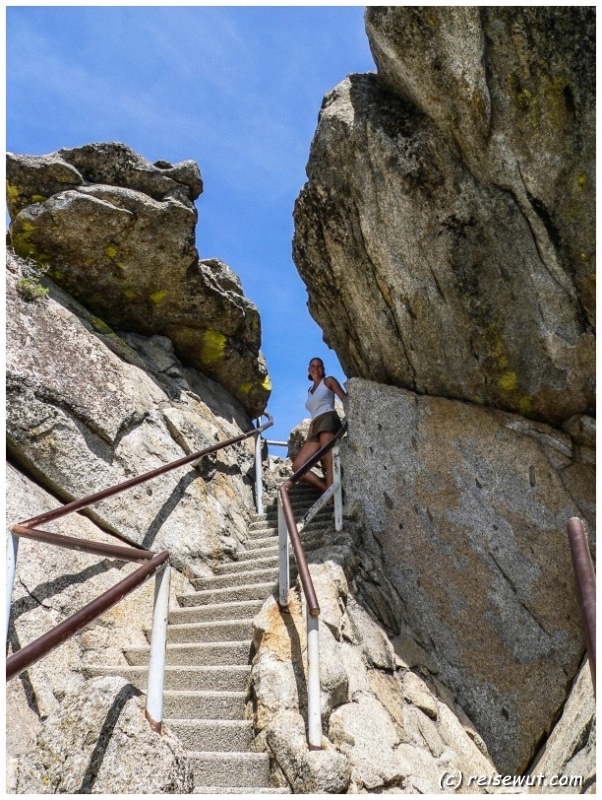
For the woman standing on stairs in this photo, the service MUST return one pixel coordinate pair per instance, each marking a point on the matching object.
(325, 422)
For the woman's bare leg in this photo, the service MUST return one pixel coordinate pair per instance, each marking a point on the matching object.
(327, 458)
(307, 451)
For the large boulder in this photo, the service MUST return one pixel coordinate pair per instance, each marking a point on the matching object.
(87, 410)
(118, 233)
(99, 742)
(446, 232)
(386, 728)
(462, 515)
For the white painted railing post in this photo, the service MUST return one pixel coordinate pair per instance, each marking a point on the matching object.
(258, 473)
(314, 717)
(283, 558)
(12, 548)
(156, 664)
(338, 495)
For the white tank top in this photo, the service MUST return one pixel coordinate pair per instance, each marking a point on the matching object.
(321, 401)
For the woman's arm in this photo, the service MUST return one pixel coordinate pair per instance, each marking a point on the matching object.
(336, 387)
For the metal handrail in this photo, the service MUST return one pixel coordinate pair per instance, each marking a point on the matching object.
(287, 523)
(585, 579)
(157, 564)
(34, 651)
(306, 581)
(76, 505)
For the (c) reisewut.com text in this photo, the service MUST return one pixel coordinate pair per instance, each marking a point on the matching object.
(456, 779)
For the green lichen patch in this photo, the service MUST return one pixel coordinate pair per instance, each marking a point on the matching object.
(31, 289)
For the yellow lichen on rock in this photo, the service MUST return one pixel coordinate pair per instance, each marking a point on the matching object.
(213, 347)
(507, 381)
(158, 297)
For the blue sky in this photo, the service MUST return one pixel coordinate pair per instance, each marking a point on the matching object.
(237, 89)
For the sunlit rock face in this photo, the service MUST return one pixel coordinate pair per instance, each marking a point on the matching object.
(446, 232)
(87, 409)
(99, 742)
(118, 233)
(446, 238)
(463, 512)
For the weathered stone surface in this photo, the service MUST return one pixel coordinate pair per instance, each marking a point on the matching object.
(514, 88)
(81, 418)
(385, 729)
(323, 771)
(118, 233)
(297, 438)
(51, 584)
(569, 756)
(446, 233)
(462, 513)
(34, 179)
(99, 742)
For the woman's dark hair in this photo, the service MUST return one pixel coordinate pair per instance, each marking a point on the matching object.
(309, 378)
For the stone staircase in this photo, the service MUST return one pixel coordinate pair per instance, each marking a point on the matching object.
(208, 655)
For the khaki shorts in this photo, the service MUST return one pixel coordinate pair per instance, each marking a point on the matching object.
(328, 422)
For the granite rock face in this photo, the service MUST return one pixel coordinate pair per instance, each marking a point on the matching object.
(569, 755)
(386, 728)
(99, 742)
(118, 234)
(446, 232)
(461, 514)
(87, 409)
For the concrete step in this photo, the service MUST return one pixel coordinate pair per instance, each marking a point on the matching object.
(233, 770)
(214, 612)
(204, 705)
(259, 552)
(262, 541)
(271, 520)
(271, 561)
(262, 529)
(196, 655)
(228, 735)
(310, 533)
(222, 631)
(311, 541)
(227, 678)
(257, 591)
(241, 566)
(247, 578)
(238, 790)
(312, 525)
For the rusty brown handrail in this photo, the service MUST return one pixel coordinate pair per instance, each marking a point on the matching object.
(32, 652)
(293, 532)
(586, 586)
(76, 505)
(84, 545)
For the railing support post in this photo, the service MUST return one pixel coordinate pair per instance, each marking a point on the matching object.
(338, 495)
(283, 558)
(12, 548)
(156, 665)
(258, 473)
(586, 586)
(314, 716)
